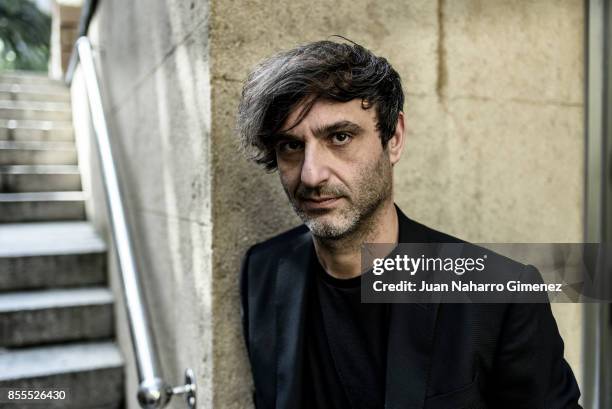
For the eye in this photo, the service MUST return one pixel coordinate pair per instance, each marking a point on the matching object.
(340, 138)
(289, 146)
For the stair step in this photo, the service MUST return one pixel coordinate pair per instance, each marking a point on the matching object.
(50, 254)
(39, 178)
(55, 298)
(36, 105)
(33, 239)
(37, 153)
(33, 110)
(92, 373)
(57, 315)
(41, 206)
(29, 77)
(28, 92)
(24, 130)
(61, 270)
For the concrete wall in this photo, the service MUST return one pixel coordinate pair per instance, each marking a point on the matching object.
(153, 61)
(64, 30)
(495, 143)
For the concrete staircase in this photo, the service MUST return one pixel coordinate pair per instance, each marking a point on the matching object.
(56, 312)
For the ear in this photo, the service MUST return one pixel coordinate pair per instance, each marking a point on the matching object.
(395, 145)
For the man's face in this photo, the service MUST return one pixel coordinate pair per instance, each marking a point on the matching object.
(333, 167)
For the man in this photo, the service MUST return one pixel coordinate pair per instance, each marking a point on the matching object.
(328, 116)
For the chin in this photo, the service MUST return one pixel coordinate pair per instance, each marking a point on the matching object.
(328, 230)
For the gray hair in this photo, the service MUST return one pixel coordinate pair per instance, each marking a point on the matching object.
(322, 69)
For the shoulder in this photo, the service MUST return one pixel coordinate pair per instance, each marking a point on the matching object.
(280, 243)
(412, 231)
(265, 255)
(499, 264)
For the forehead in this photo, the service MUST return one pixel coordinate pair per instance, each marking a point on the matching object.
(325, 112)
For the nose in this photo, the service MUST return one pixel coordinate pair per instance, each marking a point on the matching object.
(315, 169)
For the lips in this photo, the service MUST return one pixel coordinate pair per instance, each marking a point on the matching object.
(320, 202)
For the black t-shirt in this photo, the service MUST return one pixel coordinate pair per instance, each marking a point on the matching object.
(345, 345)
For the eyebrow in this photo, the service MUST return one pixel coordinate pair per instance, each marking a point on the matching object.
(339, 126)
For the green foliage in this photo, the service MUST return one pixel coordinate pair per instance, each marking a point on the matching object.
(24, 36)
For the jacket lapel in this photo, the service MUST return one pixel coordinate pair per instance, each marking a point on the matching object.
(410, 340)
(411, 331)
(291, 284)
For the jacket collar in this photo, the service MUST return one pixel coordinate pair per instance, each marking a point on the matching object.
(409, 348)
(410, 339)
(291, 284)
(411, 330)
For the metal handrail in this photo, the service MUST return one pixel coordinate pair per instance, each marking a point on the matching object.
(153, 391)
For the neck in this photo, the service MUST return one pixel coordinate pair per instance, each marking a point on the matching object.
(341, 258)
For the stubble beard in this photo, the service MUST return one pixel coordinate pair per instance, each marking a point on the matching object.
(357, 217)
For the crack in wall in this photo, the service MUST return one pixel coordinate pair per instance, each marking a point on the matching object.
(226, 78)
(442, 78)
(145, 77)
(165, 214)
(527, 101)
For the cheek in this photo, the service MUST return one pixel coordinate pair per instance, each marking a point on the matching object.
(289, 178)
(348, 174)
(367, 174)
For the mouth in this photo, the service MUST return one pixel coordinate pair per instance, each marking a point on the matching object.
(317, 203)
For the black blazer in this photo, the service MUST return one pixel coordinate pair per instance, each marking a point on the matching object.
(440, 356)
